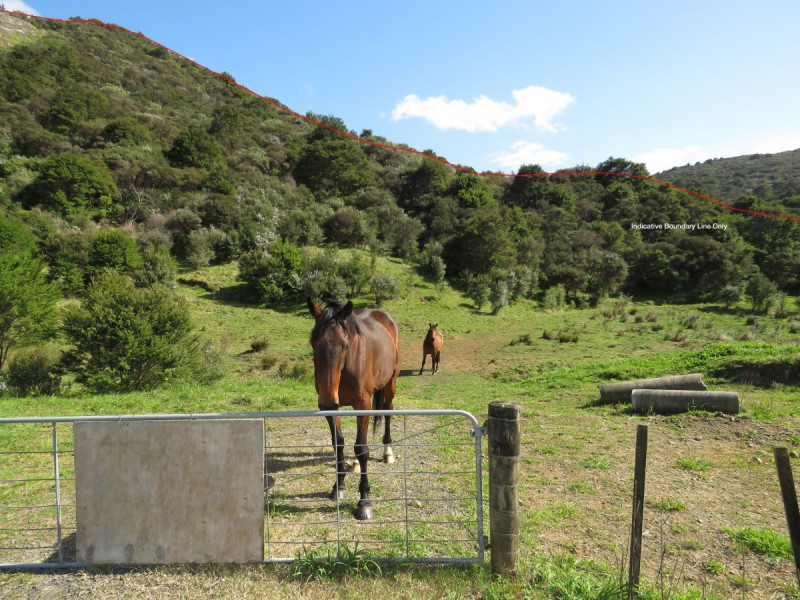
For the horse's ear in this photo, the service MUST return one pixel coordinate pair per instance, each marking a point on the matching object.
(347, 309)
(430, 325)
(313, 308)
(435, 326)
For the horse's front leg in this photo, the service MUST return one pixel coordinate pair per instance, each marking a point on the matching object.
(337, 438)
(424, 357)
(364, 508)
(388, 454)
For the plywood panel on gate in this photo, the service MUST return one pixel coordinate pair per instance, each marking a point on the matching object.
(169, 491)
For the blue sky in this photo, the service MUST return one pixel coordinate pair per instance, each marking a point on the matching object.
(495, 85)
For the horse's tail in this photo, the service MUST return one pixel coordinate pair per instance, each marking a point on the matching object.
(378, 401)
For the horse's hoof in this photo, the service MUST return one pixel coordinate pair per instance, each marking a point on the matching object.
(337, 493)
(363, 512)
(355, 468)
(388, 457)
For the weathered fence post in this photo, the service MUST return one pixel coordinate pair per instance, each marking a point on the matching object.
(638, 509)
(504, 449)
(789, 495)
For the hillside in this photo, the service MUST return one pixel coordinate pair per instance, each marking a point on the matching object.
(770, 176)
(100, 129)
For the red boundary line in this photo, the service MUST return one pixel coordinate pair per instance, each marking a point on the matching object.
(280, 106)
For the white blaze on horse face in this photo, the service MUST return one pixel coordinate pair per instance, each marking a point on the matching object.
(330, 353)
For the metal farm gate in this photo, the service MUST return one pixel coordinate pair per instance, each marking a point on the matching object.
(428, 505)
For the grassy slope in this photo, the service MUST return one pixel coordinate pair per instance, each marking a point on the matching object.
(578, 454)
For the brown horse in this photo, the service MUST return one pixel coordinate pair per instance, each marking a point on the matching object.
(356, 357)
(432, 345)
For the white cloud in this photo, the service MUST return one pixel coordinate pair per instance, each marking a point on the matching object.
(779, 143)
(19, 6)
(485, 114)
(666, 158)
(529, 153)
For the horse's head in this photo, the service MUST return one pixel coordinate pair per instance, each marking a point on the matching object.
(431, 330)
(334, 331)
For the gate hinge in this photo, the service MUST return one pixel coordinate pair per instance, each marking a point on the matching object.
(482, 430)
(485, 545)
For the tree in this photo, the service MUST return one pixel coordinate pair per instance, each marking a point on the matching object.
(27, 303)
(607, 272)
(126, 338)
(484, 243)
(615, 169)
(333, 165)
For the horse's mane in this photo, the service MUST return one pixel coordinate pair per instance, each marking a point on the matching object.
(330, 315)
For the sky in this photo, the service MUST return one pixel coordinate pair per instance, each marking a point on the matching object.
(493, 86)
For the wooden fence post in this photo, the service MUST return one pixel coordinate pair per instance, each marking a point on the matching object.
(638, 509)
(789, 494)
(504, 450)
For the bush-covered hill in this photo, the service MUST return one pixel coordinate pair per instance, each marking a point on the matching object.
(102, 129)
(770, 176)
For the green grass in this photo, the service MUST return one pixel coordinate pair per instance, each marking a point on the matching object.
(596, 462)
(695, 464)
(319, 563)
(713, 567)
(763, 541)
(557, 385)
(670, 505)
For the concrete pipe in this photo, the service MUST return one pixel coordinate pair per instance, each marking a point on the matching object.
(665, 402)
(621, 392)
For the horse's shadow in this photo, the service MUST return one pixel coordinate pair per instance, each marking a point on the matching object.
(69, 551)
(278, 464)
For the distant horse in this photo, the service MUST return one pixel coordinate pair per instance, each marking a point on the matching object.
(356, 356)
(432, 345)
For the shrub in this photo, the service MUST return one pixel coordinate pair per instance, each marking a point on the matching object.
(70, 183)
(199, 246)
(357, 272)
(27, 303)
(126, 338)
(274, 273)
(499, 296)
(112, 250)
(730, 294)
(555, 298)
(760, 290)
(157, 267)
(194, 147)
(33, 373)
(478, 289)
(259, 345)
(126, 131)
(384, 287)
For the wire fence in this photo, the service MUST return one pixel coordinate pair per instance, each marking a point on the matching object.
(428, 504)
